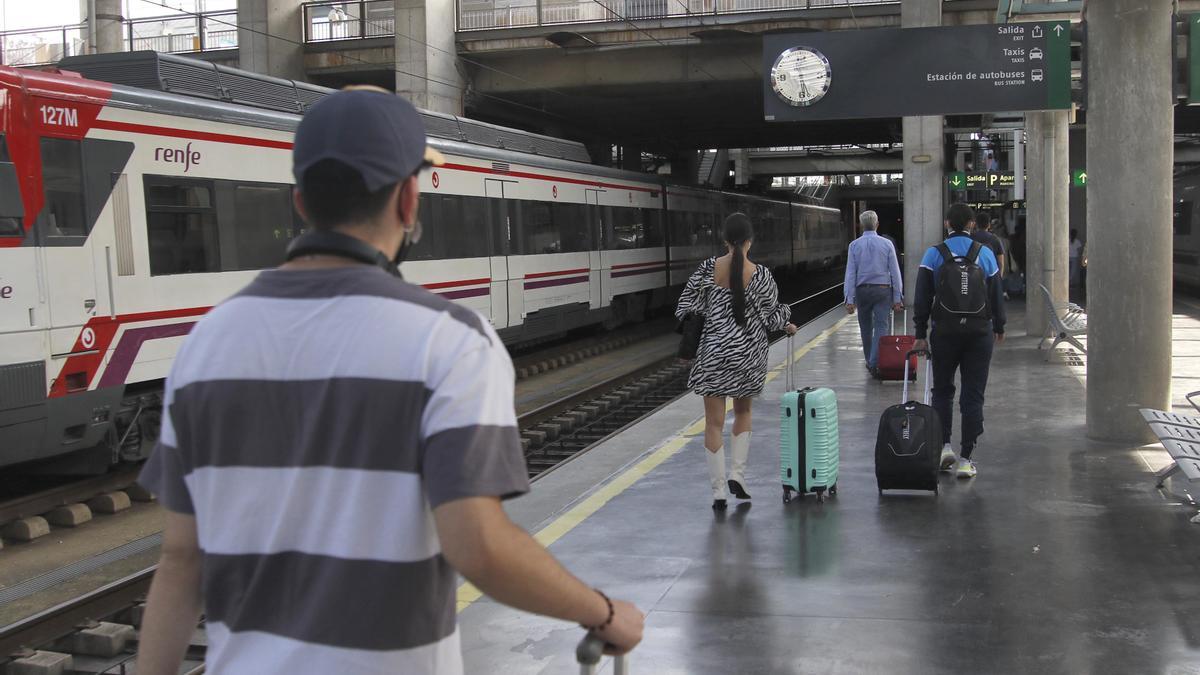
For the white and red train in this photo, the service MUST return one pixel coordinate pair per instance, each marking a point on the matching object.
(126, 213)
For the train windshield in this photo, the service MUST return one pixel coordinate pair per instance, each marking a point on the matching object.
(11, 210)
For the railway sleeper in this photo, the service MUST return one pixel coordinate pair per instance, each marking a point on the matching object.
(98, 638)
(31, 662)
(26, 529)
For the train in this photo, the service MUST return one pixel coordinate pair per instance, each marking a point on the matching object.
(138, 190)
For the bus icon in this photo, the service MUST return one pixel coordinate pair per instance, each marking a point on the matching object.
(1037, 75)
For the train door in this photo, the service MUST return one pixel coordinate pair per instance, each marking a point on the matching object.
(22, 285)
(507, 298)
(63, 227)
(596, 221)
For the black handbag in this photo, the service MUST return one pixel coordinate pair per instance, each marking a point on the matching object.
(690, 329)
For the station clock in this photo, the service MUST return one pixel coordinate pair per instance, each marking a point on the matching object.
(801, 76)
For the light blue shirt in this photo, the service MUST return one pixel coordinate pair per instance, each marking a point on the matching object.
(960, 244)
(872, 260)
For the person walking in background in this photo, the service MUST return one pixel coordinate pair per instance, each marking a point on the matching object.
(337, 441)
(873, 286)
(959, 287)
(984, 235)
(1076, 253)
(740, 304)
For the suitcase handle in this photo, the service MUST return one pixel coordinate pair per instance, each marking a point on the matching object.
(789, 379)
(588, 653)
(928, 381)
(903, 325)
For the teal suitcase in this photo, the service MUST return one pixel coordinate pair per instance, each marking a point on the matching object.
(808, 440)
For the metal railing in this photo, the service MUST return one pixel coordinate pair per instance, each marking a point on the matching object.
(329, 20)
(349, 20)
(488, 14)
(39, 46)
(176, 33)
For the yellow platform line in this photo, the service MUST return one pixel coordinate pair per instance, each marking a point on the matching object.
(467, 593)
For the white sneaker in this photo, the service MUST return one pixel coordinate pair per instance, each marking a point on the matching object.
(948, 458)
(966, 468)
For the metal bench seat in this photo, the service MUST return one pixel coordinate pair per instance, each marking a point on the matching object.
(1067, 323)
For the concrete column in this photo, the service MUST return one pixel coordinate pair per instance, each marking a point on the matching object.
(1130, 156)
(261, 25)
(427, 57)
(924, 165)
(109, 29)
(1047, 209)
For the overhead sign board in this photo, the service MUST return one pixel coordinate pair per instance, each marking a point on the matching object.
(896, 72)
(992, 180)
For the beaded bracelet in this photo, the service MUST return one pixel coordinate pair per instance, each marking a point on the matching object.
(611, 614)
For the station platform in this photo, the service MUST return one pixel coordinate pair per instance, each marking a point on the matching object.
(1060, 557)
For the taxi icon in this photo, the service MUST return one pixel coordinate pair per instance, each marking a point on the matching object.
(1036, 54)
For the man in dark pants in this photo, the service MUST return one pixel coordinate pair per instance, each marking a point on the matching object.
(965, 347)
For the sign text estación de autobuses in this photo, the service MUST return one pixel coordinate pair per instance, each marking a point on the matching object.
(896, 72)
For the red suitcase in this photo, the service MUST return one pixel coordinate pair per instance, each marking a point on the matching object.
(892, 349)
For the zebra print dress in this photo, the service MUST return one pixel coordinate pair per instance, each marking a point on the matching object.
(732, 359)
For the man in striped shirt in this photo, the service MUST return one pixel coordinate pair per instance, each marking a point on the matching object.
(337, 443)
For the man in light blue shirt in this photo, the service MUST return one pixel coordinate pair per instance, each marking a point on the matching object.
(873, 285)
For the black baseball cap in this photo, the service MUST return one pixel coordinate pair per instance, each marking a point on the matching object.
(371, 130)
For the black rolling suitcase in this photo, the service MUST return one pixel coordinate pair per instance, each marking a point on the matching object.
(909, 445)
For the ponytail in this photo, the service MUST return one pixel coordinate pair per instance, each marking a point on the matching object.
(736, 232)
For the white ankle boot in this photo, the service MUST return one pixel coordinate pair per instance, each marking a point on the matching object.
(716, 476)
(739, 446)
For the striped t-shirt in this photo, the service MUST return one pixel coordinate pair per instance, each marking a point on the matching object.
(314, 420)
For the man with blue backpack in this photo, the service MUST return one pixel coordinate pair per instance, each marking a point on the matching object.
(960, 286)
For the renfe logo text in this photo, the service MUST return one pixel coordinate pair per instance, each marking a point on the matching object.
(187, 157)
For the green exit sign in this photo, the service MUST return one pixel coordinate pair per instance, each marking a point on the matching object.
(957, 180)
(1079, 177)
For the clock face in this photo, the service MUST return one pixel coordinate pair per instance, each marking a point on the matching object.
(801, 76)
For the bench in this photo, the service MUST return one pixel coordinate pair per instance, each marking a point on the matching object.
(1067, 323)
(1180, 437)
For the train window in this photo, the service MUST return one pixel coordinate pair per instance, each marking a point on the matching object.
(463, 224)
(176, 195)
(627, 229)
(654, 227)
(262, 228)
(181, 226)
(545, 227)
(1183, 218)
(572, 224)
(428, 247)
(11, 210)
(62, 178)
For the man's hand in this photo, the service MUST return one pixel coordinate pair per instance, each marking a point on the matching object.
(898, 307)
(790, 329)
(849, 308)
(920, 345)
(625, 631)
(999, 338)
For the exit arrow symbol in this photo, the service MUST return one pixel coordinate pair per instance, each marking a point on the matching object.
(1083, 178)
(956, 182)
(1058, 30)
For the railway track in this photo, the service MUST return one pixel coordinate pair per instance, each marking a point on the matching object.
(97, 631)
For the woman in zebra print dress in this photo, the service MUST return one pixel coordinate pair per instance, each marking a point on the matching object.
(740, 303)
